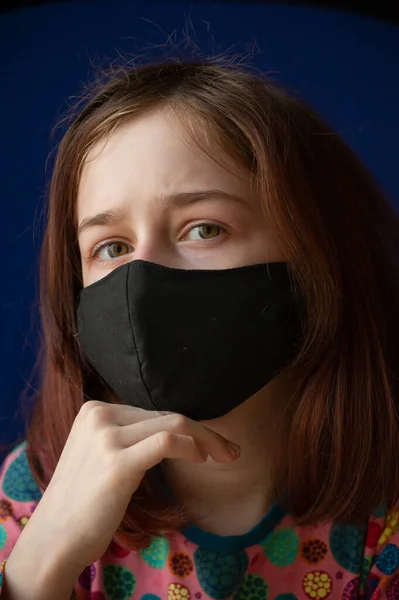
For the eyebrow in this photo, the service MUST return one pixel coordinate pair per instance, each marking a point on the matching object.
(115, 216)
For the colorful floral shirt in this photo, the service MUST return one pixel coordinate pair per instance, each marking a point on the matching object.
(277, 560)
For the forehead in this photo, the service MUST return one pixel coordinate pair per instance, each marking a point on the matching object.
(149, 156)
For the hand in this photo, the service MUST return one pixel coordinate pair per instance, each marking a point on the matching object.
(108, 451)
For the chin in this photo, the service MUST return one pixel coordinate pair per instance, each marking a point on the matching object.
(254, 404)
(232, 414)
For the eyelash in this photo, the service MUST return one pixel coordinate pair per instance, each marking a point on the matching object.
(93, 253)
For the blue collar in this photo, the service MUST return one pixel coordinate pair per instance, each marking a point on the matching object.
(231, 544)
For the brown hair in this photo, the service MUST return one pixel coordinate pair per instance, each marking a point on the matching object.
(340, 236)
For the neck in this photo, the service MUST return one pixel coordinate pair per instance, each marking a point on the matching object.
(231, 498)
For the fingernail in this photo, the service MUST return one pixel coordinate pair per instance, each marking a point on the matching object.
(234, 450)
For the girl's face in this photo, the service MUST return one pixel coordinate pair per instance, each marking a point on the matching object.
(150, 194)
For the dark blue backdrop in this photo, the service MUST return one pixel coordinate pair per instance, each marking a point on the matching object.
(347, 66)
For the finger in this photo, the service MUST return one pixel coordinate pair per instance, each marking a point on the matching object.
(122, 414)
(154, 449)
(127, 415)
(220, 449)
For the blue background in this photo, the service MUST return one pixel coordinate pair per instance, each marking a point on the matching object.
(346, 65)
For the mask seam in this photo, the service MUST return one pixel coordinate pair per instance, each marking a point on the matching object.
(133, 338)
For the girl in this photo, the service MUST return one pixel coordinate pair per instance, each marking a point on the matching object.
(218, 416)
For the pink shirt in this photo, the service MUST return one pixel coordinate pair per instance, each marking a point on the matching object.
(277, 560)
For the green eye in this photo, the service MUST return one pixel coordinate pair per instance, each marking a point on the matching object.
(112, 250)
(206, 231)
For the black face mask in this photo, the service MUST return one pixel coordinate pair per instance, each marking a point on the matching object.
(195, 342)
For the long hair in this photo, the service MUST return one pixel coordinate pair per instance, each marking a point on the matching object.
(340, 237)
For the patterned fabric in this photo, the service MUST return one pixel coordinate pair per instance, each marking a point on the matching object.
(277, 560)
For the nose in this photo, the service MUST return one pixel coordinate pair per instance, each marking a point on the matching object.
(155, 252)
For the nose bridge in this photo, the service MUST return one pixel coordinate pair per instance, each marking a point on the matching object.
(153, 238)
(152, 247)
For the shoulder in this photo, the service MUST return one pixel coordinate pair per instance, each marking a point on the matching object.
(17, 484)
(383, 537)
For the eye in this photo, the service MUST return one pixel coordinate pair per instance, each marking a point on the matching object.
(205, 231)
(111, 250)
